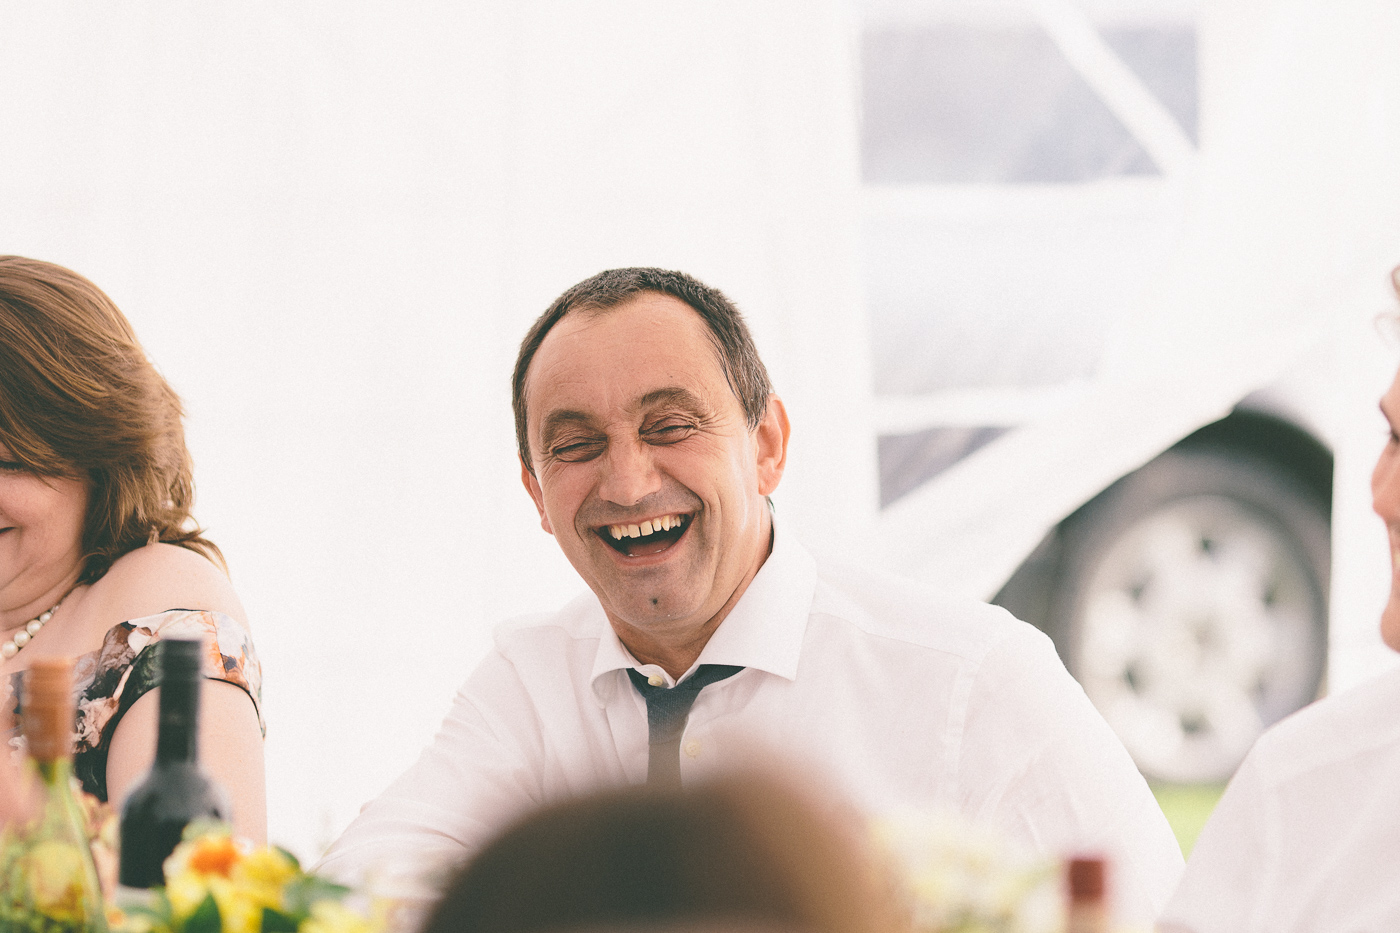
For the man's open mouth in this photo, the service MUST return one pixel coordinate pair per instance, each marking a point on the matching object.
(645, 538)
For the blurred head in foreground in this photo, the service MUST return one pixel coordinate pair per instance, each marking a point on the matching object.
(1385, 494)
(745, 852)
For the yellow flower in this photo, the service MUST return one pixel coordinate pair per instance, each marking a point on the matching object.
(238, 912)
(330, 917)
(186, 891)
(55, 874)
(255, 881)
(243, 882)
(197, 868)
(214, 855)
(239, 909)
(202, 857)
(265, 871)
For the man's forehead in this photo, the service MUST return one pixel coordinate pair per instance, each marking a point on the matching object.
(647, 310)
(651, 350)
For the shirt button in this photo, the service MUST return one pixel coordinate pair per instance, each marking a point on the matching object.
(692, 748)
(656, 680)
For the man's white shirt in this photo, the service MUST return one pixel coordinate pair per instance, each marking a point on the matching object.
(904, 700)
(1307, 835)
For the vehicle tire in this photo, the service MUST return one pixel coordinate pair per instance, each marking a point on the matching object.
(1192, 606)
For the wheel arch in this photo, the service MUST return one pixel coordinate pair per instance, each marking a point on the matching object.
(1280, 442)
(1286, 446)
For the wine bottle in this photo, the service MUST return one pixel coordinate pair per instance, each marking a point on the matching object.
(175, 792)
(1086, 910)
(47, 878)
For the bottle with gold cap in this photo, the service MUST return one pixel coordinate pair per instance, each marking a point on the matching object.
(49, 884)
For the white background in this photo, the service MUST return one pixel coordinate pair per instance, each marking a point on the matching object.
(331, 223)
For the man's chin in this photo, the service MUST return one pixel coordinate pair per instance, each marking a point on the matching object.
(644, 614)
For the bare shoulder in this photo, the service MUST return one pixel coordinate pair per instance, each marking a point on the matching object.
(159, 577)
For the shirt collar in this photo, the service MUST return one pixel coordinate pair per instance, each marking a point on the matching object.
(764, 629)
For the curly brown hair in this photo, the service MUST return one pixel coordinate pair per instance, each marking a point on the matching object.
(79, 398)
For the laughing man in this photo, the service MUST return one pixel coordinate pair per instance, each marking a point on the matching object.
(649, 440)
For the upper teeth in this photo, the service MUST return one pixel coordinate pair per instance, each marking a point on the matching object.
(651, 526)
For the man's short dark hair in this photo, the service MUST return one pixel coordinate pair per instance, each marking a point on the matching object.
(738, 356)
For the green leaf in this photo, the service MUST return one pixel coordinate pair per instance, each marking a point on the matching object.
(274, 921)
(205, 918)
(290, 857)
(300, 893)
(158, 911)
(153, 914)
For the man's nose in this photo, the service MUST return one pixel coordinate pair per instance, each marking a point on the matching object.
(629, 474)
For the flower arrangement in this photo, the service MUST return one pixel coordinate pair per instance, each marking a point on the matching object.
(954, 877)
(44, 882)
(52, 901)
(217, 884)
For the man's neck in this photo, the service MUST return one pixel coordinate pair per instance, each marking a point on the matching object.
(673, 658)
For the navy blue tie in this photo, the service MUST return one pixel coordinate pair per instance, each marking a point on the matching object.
(667, 711)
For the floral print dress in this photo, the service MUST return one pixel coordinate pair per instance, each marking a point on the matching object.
(106, 682)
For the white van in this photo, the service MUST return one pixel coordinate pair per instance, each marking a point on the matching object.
(1106, 400)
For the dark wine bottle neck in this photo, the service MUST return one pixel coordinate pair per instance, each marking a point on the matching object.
(178, 738)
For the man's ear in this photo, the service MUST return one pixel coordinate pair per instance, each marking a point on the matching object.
(532, 486)
(771, 440)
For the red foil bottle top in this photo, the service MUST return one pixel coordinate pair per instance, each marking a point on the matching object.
(1086, 880)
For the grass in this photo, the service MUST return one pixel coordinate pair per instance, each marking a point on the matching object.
(1187, 807)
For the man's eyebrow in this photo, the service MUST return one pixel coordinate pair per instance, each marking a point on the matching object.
(556, 420)
(675, 396)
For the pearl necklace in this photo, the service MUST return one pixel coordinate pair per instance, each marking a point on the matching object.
(25, 635)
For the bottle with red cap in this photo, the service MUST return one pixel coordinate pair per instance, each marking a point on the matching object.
(1086, 895)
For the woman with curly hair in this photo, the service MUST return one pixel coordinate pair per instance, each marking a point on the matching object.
(99, 556)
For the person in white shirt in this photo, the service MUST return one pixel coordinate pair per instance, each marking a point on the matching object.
(649, 440)
(1307, 834)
